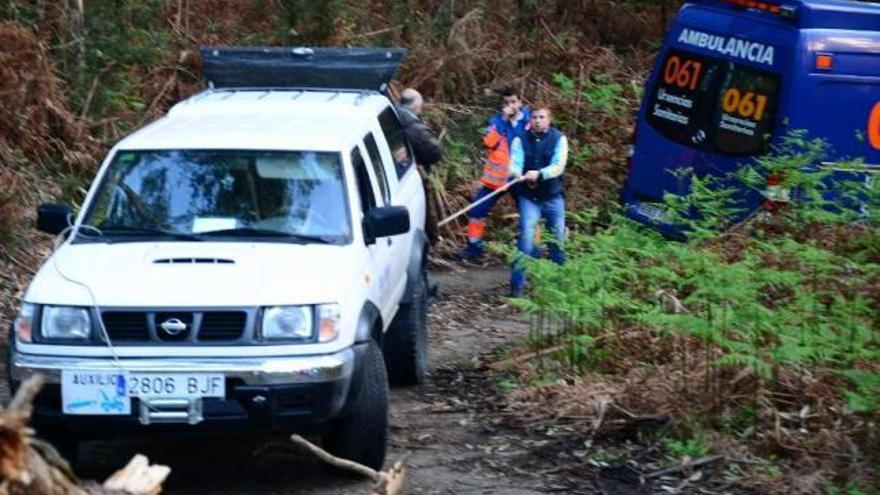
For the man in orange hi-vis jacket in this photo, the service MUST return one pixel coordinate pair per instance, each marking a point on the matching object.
(512, 120)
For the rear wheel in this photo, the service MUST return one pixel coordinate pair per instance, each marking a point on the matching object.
(361, 435)
(406, 343)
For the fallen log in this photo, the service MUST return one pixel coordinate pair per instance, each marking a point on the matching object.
(387, 482)
(30, 466)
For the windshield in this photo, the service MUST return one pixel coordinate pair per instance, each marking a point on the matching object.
(189, 194)
(712, 104)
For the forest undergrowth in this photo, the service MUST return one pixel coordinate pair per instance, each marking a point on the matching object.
(758, 341)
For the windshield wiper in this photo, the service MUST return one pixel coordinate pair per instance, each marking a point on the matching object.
(147, 231)
(254, 232)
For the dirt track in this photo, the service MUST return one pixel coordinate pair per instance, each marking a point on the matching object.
(446, 446)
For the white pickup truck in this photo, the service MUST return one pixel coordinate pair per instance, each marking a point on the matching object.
(252, 261)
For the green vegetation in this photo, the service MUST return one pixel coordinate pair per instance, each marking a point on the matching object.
(689, 447)
(737, 318)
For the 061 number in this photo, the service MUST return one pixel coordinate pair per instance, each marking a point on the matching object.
(747, 104)
(683, 74)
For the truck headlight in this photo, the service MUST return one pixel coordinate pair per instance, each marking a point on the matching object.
(65, 323)
(288, 323)
(24, 322)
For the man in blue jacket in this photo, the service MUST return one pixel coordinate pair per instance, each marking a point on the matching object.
(512, 119)
(539, 156)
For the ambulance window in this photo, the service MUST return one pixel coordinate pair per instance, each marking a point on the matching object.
(684, 97)
(746, 110)
(712, 104)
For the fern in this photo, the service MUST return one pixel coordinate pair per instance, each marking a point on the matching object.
(783, 301)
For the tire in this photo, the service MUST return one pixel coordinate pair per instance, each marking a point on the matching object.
(406, 343)
(362, 434)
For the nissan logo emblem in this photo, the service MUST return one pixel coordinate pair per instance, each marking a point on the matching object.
(173, 326)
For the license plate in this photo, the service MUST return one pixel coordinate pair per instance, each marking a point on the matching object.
(650, 211)
(95, 392)
(110, 393)
(176, 385)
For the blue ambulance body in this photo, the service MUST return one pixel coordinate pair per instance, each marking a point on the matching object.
(734, 76)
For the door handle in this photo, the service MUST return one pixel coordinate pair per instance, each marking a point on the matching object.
(389, 241)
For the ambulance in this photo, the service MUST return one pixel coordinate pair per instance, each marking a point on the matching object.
(733, 77)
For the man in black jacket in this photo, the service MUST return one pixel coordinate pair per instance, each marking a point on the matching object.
(539, 156)
(426, 147)
(427, 150)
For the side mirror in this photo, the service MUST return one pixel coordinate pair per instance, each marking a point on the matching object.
(52, 218)
(385, 221)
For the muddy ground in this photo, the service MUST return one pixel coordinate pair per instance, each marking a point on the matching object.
(449, 446)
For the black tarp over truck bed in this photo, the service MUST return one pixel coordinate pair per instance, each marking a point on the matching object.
(282, 67)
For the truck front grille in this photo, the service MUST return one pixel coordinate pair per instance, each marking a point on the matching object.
(222, 325)
(128, 326)
(185, 327)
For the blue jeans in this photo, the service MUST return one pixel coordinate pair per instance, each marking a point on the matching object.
(530, 213)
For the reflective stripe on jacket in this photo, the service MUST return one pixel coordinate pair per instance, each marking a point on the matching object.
(499, 134)
(496, 168)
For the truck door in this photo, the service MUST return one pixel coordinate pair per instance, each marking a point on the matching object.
(383, 171)
(381, 290)
(406, 184)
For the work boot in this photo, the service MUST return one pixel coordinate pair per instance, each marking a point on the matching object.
(472, 252)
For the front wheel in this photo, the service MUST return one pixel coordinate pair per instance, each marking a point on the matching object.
(406, 343)
(361, 435)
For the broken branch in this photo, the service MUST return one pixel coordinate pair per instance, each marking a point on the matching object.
(387, 483)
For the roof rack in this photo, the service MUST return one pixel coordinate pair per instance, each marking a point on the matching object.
(334, 92)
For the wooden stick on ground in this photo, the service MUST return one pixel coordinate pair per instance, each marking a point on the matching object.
(684, 466)
(138, 477)
(387, 483)
(600, 418)
(392, 481)
(507, 362)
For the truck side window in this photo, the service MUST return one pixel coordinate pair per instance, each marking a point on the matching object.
(378, 168)
(365, 189)
(397, 142)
